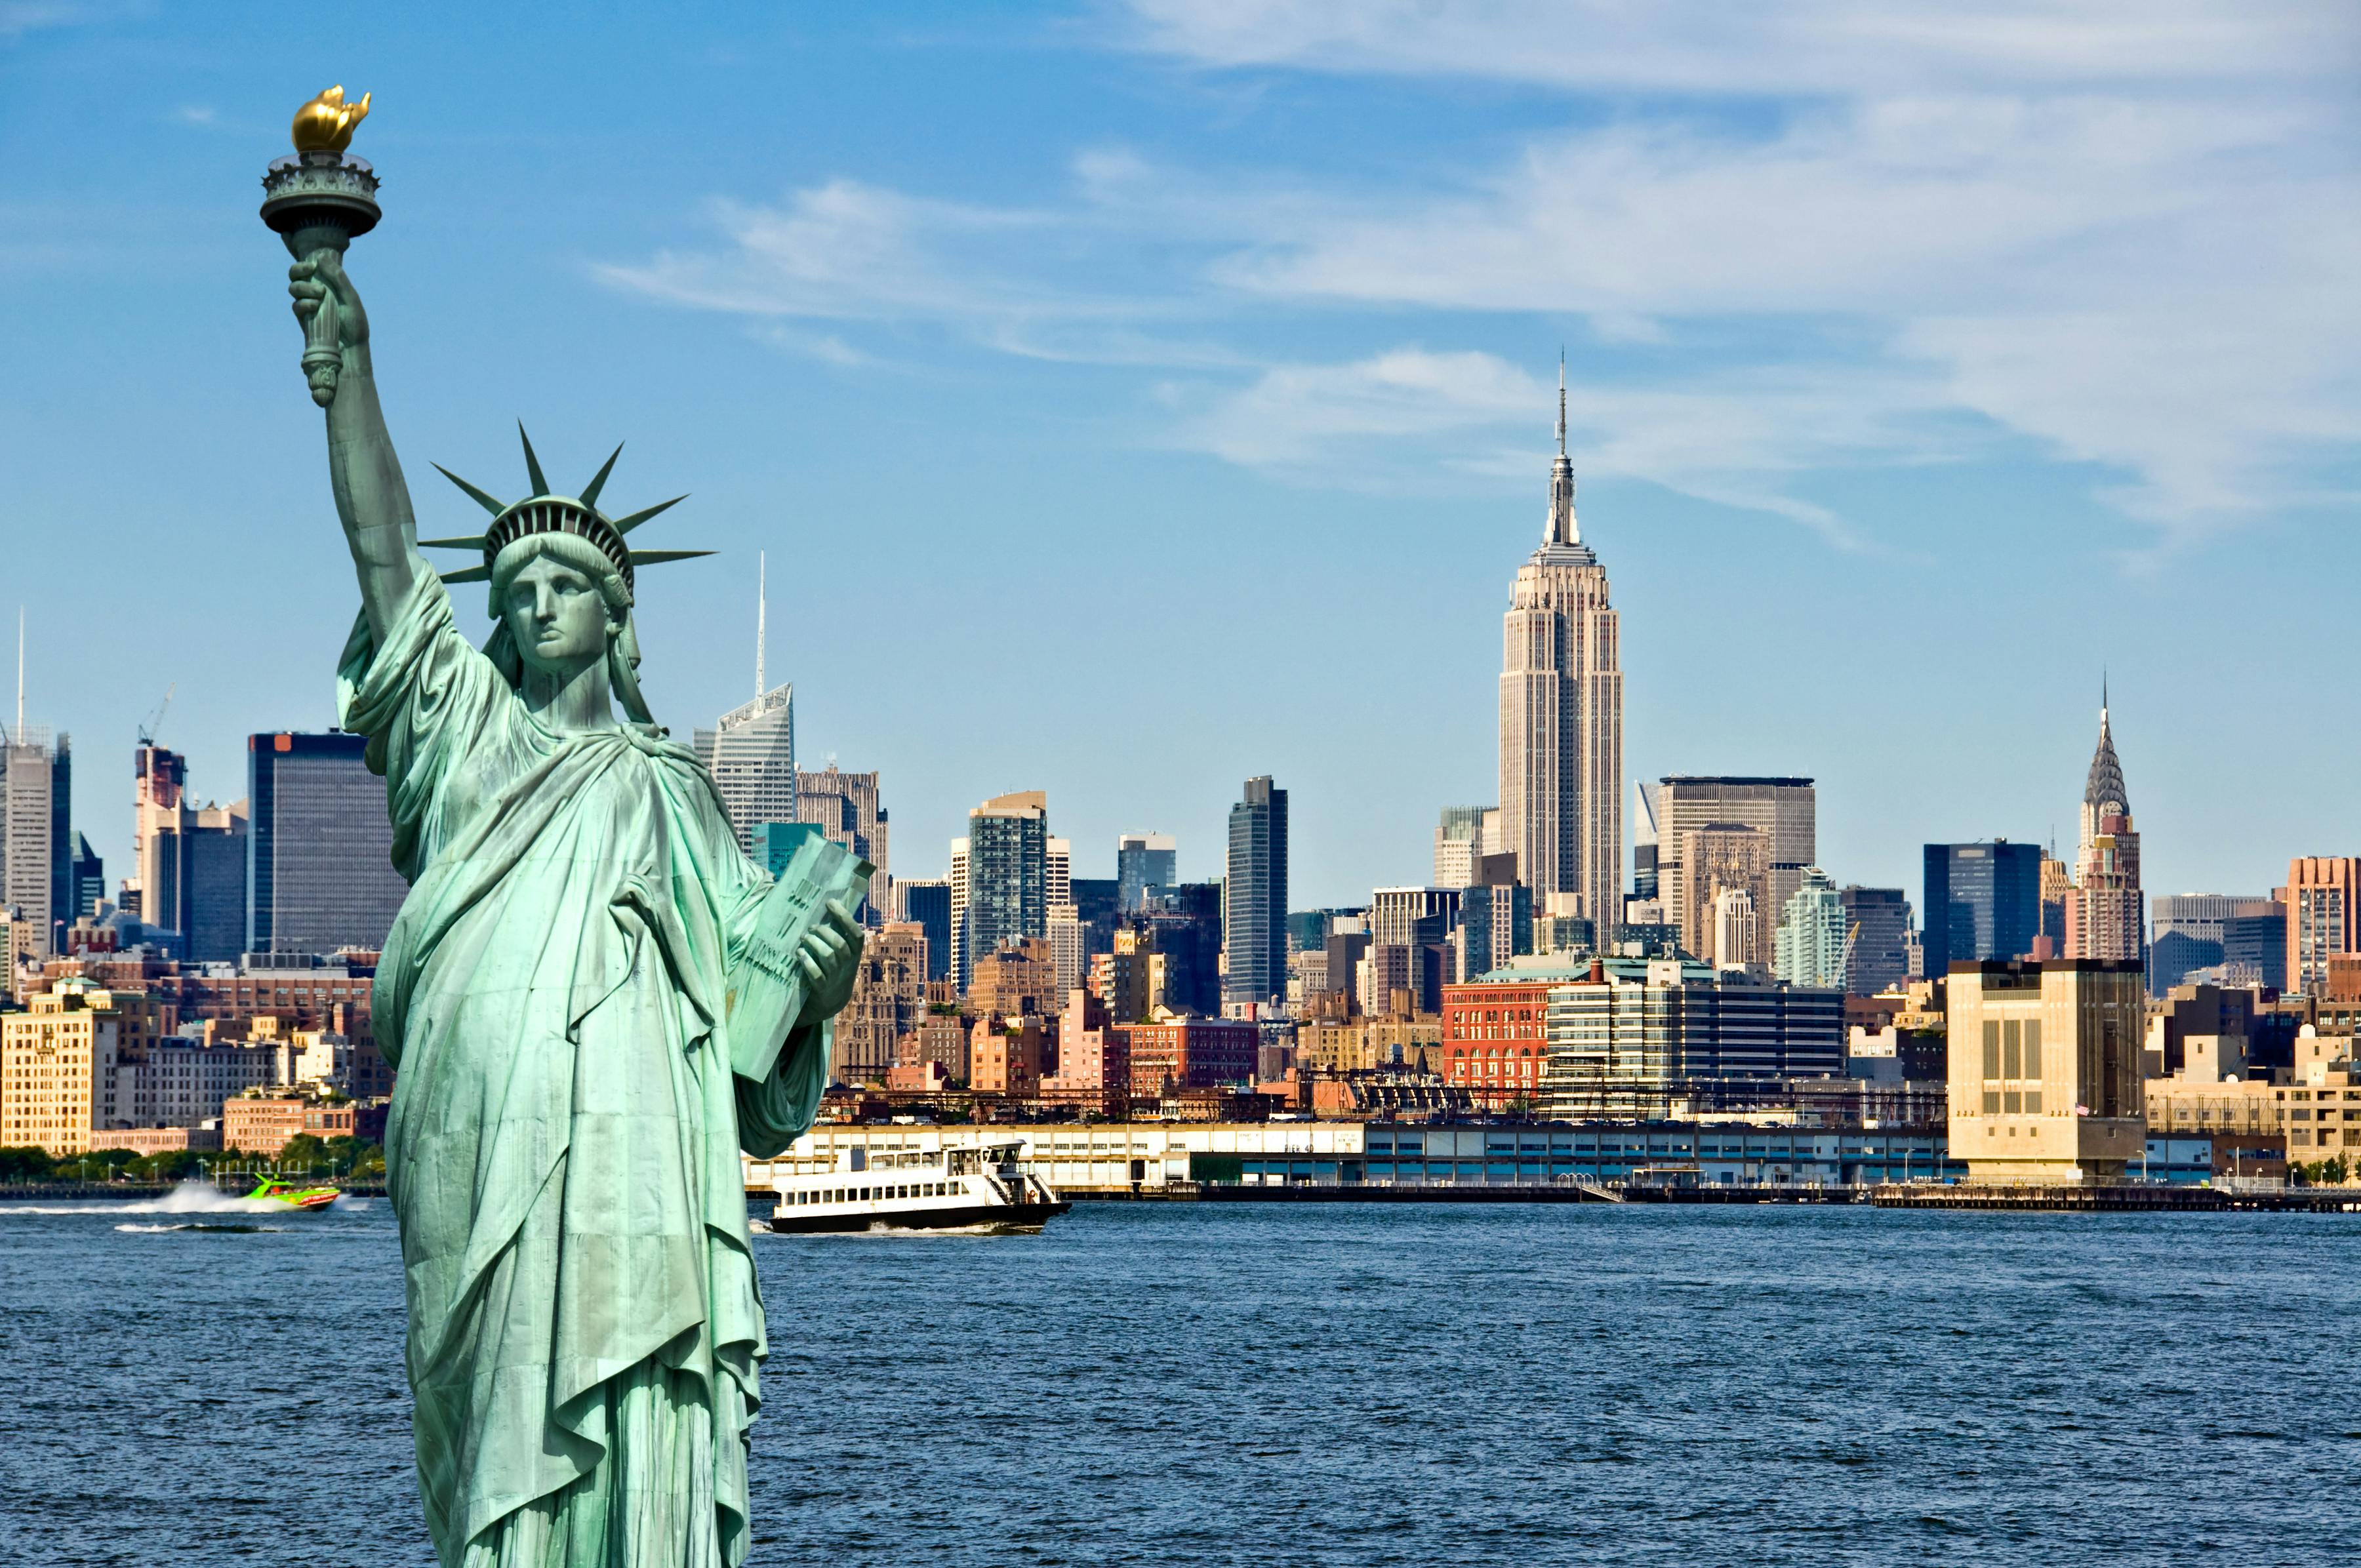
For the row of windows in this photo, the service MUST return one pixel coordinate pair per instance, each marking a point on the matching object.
(874, 1194)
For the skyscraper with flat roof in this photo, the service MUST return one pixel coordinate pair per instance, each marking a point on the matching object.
(1783, 810)
(1562, 714)
(1000, 877)
(2323, 916)
(926, 902)
(1143, 860)
(319, 846)
(1254, 925)
(846, 809)
(25, 828)
(1982, 902)
(1877, 924)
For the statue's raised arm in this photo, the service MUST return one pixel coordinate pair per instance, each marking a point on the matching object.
(372, 499)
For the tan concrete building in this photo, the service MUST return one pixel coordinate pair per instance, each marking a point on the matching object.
(889, 998)
(2045, 1070)
(63, 1064)
(1562, 716)
(2318, 1112)
(1716, 858)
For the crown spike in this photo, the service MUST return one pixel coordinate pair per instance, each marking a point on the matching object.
(625, 524)
(468, 575)
(532, 463)
(467, 542)
(658, 557)
(590, 492)
(490, 502)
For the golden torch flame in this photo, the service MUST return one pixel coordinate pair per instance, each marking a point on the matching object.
(326, 122)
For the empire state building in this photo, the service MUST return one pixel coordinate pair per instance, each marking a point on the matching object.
(1562, 717)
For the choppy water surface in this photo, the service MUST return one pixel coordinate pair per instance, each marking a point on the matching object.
(1284, 1385)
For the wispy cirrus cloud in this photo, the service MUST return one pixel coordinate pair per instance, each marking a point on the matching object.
(2113, 229)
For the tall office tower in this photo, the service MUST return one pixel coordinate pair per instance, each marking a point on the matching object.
(89, 879)
(1562, 714)
(1143, 860)
(2105, 914)
(1785, 810)
(319, 869)
(2322, 897)
(61, 842)
(1000, 877)
(1877, 924)
(1253, 919)
(1458, 845)
(2255, 944)
(1982, 902)
(1184, 924)
(1737, 930)
(751, 753)
(25, 828)
(1097, 903)
(1646, 873)
(1414, 916)
(2056, 892)
(845, 808)
(1057, 872)
(190, 860)
(926, 902)
(1811, 937)
(1711, 858)
(889, 1001)
(1070, 946)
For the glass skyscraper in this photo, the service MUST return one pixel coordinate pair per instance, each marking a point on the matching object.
(1143, 860)
(1983, 902)
(319, 871)
(927, 904)
(1254, 928)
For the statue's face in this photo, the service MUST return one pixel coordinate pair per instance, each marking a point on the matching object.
(557, 616)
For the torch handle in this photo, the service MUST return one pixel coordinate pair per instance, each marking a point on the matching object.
(323, 352)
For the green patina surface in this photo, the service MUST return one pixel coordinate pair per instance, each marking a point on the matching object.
(594, 1001)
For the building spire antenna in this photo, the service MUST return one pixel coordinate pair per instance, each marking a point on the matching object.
(21, 675)
(762, 614)
(1561, 399)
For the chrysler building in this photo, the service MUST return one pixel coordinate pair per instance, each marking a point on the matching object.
(1562, 717)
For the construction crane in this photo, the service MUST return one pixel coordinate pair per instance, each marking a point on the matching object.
(1844, 958)
(156, 719)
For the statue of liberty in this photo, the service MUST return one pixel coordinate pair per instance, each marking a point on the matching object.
(593, 999)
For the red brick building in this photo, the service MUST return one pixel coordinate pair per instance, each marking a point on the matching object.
(1495, 1041)
(261, 1124)
(1191, 1053)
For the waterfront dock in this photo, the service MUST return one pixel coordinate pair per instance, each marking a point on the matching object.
(2122, 1197)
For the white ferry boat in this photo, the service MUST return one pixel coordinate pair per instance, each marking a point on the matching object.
(978, 1189)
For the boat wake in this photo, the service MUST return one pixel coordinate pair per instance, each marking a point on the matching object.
(232, 1229)
(188, 1198)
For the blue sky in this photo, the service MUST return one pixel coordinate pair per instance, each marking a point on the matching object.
(1132, 399)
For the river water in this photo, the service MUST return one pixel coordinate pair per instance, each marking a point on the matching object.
(1284, 1385)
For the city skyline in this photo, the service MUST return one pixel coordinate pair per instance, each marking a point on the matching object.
(1373, 439)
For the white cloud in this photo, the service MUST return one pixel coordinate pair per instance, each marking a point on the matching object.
(2115, 228)
(1801, 47)
(1737, 440)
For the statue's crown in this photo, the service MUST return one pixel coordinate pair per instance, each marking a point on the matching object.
(543, 512)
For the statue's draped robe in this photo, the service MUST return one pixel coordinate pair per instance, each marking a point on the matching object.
(563, 1147)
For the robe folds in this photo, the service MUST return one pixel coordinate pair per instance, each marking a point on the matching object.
(562, 1150)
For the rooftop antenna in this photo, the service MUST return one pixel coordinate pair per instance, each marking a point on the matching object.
(762, 615)
(1561, 399)
(21, 675)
